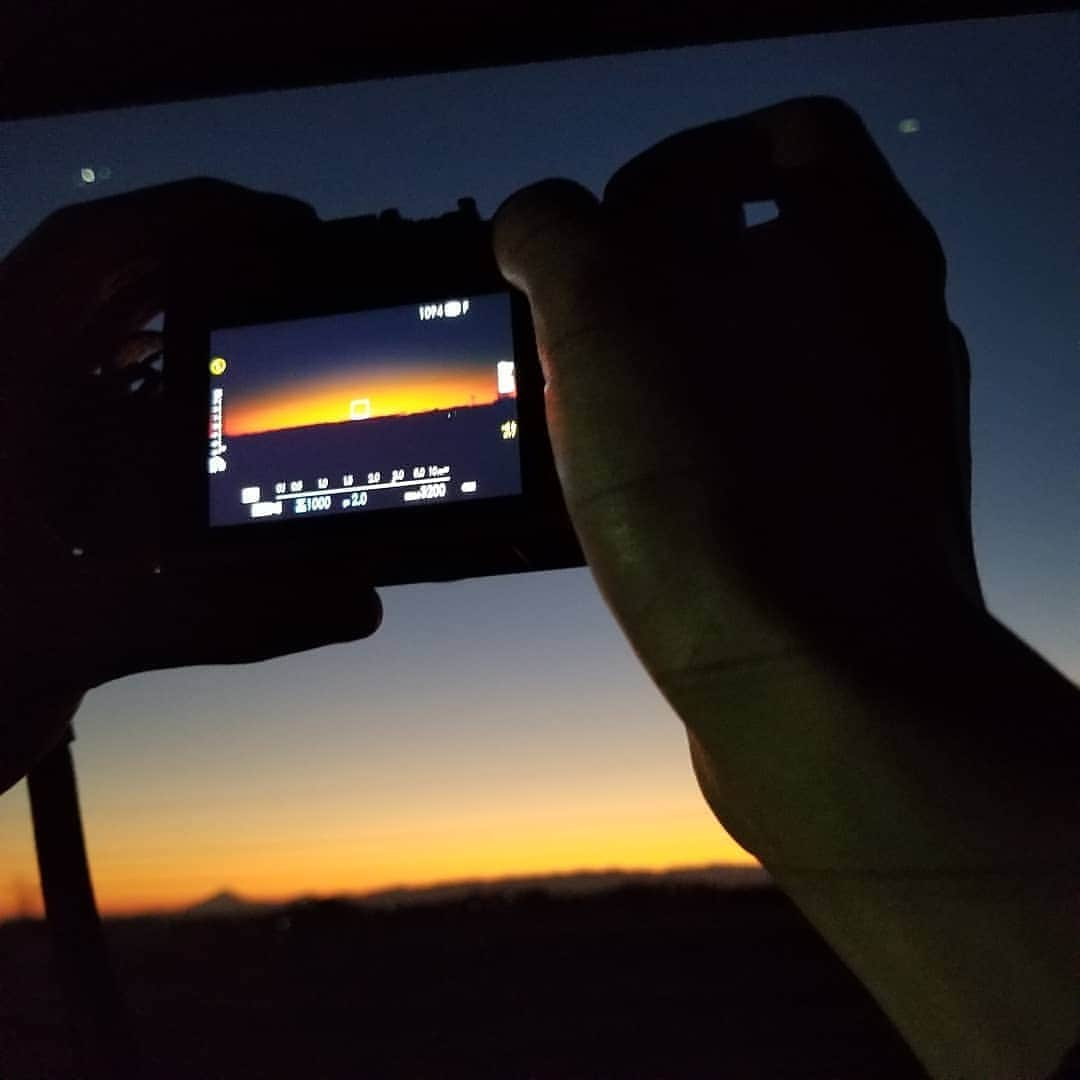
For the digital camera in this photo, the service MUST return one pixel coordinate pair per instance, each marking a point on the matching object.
(383, 397)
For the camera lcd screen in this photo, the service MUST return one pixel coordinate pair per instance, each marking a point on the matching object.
(362, 411)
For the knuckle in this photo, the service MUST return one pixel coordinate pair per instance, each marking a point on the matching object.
(67, 219)
(829, 121)
(639, 174)
(933, 251)
(831, 115)
(196, 187)
(536, 218)
(813, 130)
(206, 192)
(180, 199)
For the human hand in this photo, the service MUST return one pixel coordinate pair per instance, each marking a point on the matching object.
(761, 432)
(82, 454)
(762, 436)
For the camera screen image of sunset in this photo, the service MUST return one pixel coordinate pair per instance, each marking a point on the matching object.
(366, 410)
(349, 490)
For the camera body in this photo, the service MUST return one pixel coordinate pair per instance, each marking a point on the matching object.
(382, 399)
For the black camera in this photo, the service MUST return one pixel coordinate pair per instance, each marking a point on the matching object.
(383, 397)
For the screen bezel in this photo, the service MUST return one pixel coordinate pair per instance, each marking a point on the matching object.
(504, 315)
(474, 536)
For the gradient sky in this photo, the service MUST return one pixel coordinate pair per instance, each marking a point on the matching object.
(503, 726)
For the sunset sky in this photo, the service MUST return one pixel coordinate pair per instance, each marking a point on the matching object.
(503, 726)
(386, 390)
(309, 371)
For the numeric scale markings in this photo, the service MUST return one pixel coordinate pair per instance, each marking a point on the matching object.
(364, 487)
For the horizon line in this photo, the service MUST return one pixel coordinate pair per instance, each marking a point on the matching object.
(416, 890)
(369, 419)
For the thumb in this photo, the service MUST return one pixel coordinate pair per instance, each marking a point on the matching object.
(613, 406)
(597, 338)
(237, 610)
(549, 242)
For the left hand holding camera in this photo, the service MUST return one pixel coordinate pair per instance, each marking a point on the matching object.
(81, 457)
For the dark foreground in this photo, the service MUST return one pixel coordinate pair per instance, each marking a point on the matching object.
(642, 982)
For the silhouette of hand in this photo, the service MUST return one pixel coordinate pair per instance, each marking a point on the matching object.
(82, 452)
(761, 432)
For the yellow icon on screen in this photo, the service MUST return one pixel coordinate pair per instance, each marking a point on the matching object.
(218, 365)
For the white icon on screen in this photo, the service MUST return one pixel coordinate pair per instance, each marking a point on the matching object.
(250, 495)
(266, 509)
(359, 408)
(504, 370)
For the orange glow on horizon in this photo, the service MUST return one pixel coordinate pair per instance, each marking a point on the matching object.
(135, 872)
(390, 393)
(270, 887)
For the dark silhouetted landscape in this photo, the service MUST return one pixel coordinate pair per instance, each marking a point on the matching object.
(692, 974)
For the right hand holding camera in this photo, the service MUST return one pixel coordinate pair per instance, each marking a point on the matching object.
(762, 435)
(761, 432)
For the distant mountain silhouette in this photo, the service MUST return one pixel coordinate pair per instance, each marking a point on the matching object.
(681, 975)
(571, 884)
(224, 904)
(228, 904)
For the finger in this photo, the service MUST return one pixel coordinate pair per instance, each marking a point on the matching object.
(625, 433)
(549, 242)
(106, 235)
(672, 203)
(812, 156)
(597, 337)
(96, 271)
(234, 611)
